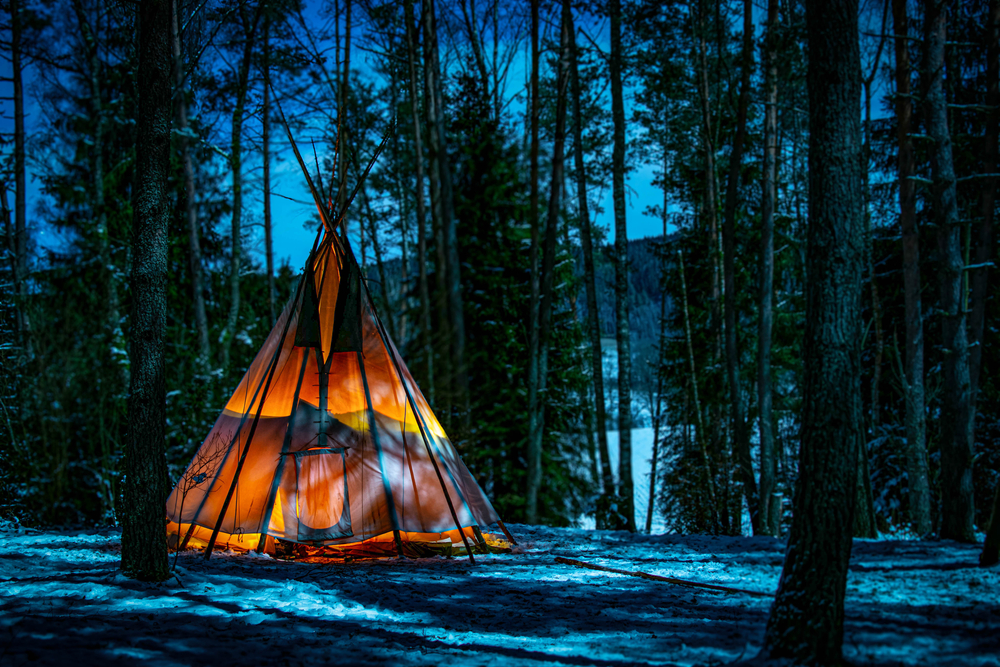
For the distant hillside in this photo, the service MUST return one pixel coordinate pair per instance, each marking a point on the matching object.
(644, 290)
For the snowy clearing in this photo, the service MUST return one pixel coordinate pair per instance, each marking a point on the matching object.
(63, 602)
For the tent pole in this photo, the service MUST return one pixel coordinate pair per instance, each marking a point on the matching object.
(269, 507)
(381, 457)
(253, 427)
(420, 426)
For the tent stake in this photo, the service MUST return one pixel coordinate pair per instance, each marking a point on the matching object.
(510, 538)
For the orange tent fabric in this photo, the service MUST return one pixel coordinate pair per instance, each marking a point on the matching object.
(327, 439)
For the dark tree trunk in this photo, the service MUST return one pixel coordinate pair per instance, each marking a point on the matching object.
(436, 155)
(741, 436)
(660, 360)
(593, 321)
(770, 505)
(957, 504)
(984, 246)
(424, 289)
(266, 157)
(807, 619)
(916, 448)
(190, 203)
(144, 544)
(20, 236)
(534, 476)
(621, 273)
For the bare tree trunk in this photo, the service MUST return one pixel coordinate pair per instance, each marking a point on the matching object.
(661, 355)
(916, 448)
(115, 337)
(441, 199)
(621, 273)
(20, 236)
(702, 434)
(770, 506)
(864, 515)
(475, 40)
(711, 220)
(741, 436)
(806, 624)
(190, 202)
(590, 282)
(249, 25)
(957, 504)
(144, 544)
(984, 248)
(342, 115)
(534, 475)
(266, 150)
(425, 300)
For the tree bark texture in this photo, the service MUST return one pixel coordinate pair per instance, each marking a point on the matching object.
(423, 287)
(957, 503)
(807, 619)
(590, 281)
(190, 201)
(621, 273)
(741, 435)
(918, 478)
(144, 545)
(770, 498)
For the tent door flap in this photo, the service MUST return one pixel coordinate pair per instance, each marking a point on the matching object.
(322, 505)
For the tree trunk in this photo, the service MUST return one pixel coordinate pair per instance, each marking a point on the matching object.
(806, 624)
(714, 436)
(590, 282)
(621, 273)
(957, 504)
(344, 122)
(916, 449)
(249, 26)
(266, 157)
(144, 544)
(453, 277)
(534, 476)
(741, 436)
(702, 434)
(20, 236)
(436, 154)
(984, 248)
(190, 203)
(770, 506)
(425, 300)
(660, 357)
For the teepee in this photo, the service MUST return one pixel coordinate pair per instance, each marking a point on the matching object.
(327, 440)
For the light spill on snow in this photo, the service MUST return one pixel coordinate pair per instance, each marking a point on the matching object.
(63, 601)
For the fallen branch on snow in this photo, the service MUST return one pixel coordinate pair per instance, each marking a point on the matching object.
(656, 577)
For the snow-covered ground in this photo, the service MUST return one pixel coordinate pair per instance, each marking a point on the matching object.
(64, 602)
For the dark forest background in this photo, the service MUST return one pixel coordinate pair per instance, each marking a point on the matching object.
(476, 234)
